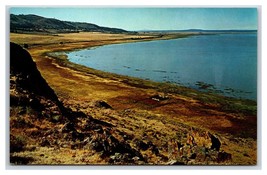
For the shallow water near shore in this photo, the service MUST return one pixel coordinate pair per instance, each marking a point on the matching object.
(224, 63)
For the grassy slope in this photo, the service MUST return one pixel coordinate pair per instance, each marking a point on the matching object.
(135, 112)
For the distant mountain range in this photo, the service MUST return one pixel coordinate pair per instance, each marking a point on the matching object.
(34, 23)
(198, 30)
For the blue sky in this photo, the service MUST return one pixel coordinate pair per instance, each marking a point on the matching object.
(153, 18)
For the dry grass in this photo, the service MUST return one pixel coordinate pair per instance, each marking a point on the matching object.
(62, 156)
(135, 113)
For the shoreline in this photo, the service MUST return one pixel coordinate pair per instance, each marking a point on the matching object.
(164, 87)
(62, 59)
(44, 62)
(139, 105)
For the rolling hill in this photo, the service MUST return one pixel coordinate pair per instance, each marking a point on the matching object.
(34, 23)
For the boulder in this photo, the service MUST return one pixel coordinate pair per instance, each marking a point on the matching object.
(216, 144)
(102, 104)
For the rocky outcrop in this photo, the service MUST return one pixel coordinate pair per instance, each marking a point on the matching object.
(35, 103)
(199, 147)
(32, 99)
(24, 76)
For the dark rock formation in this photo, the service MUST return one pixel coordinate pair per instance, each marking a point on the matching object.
(28, 76)
(28, 81)
(102, 104)
(216, 144)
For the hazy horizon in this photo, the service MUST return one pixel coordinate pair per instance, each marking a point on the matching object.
(138, 19)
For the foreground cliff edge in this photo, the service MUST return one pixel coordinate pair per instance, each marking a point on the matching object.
(91, 117)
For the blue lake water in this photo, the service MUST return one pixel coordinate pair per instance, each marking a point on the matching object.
(223, 63)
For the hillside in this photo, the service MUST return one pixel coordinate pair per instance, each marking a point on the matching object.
(39, 122)
(42, 127)
(34, 23)
(114, 119)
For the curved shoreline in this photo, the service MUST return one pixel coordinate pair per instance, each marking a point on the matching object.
(62, 59)
(140, 105)
(202, 86)
(46, 64)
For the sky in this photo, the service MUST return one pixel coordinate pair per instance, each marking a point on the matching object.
(134, 19)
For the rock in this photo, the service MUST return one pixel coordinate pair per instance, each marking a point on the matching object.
(125, 158)
(102, 104)
(28, 76)
(223, 156)
(175, 162)
(159, 97)
(123, 148)
(135, 158)
(216, 144)
(201, 138)
(142, 145)
(115, 156)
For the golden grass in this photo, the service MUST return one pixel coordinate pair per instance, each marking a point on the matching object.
(62, 156)
(134, 111)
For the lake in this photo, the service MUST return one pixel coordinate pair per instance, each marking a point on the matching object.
(223, 63)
